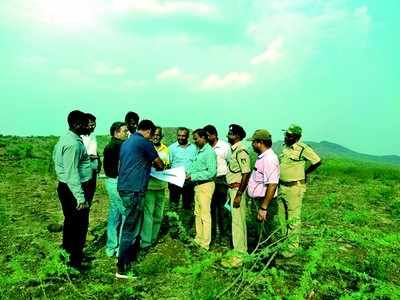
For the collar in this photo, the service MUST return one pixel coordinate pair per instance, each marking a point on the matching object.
(116, 141)
(74, 135)
(161, 147)
(218, 144)
(138, 133)
(204, 148)
(235, 146)
(266, 152)
(184, 146)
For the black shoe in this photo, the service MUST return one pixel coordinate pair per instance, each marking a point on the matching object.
(88, 258)
(79, 266)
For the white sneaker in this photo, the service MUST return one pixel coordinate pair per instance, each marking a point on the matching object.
(125, 276)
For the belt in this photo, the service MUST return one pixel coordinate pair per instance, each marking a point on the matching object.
(198, 182)
(292, 183)
(234, 185)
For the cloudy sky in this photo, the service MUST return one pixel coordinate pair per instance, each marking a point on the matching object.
(332, 66)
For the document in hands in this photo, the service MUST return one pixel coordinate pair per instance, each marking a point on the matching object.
(175, 175)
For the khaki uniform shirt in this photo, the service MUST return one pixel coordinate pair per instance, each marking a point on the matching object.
(293, 160)
(238, 163)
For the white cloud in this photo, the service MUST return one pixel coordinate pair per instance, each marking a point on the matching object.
(71, 15)
(361, 13)
(156, 7)
(232, 79)
(33, 60)
(272, 54)
(104, 69)
(133, 83)
(174, 73)
(71, 74)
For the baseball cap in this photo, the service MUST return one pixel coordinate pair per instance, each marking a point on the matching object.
(261, 135)
(294, 129)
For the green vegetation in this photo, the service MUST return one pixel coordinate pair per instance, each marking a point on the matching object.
(350, 241)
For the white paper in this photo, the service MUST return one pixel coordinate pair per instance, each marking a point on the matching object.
(175, 176)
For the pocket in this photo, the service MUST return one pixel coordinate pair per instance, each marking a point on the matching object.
(127, 202)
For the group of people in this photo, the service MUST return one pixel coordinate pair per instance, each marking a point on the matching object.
(220, 177)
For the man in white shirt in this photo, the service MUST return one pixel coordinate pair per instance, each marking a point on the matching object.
(219, 216)
(90, 143)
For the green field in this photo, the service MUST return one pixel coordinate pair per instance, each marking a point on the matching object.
(350, 241)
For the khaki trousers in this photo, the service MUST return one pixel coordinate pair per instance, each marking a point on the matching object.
(239, 229)
(202, 211)
(289, 211)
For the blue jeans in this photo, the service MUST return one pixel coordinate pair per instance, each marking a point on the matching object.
(115, 216)
(130, 229)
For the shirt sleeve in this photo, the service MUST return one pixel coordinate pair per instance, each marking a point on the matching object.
(170, 154)
(271, 171)
(106, 157)
(71, 157)
(150, 151)
(310, 155)
(167, 156)
(210, 170)
(243, 160)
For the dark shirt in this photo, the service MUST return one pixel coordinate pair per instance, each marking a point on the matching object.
(136, 156)
(111, 157)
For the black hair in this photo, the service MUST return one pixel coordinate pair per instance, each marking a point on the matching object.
(267, 143)
(160, 128)
(76, 117)
(211, 129)
(115, 127)
(91, 117)
(183, 129)
(200, 132)
(146, 125)
(131, 115)
(238, 130)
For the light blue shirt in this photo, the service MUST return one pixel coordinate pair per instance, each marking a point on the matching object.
(72, 164)
(204, 166)
(182, 155)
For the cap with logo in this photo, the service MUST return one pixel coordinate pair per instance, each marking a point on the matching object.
(294, 129)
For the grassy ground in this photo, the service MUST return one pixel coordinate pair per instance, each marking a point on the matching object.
(350, 241)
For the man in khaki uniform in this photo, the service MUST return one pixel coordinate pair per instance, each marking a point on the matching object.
(237, 178)
(293, 160)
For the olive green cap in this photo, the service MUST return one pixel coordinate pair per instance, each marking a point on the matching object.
(294, 129)
(261, 135)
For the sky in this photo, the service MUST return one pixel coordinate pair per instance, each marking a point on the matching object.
(331, 66)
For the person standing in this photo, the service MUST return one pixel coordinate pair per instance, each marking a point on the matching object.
(132, 121)
(73, 170)
(237, 178)
(181, 154)
(90, 142)
(119, 133)
(155, 197)
(264, 180)
(293, 174)
(202, 174)
(219, 216)
(137, 155)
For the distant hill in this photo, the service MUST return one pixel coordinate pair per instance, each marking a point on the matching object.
(331, 150)
(324, 149)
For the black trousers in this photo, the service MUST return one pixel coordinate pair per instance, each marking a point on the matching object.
(219, 215)
(187, 193)
(76, 222)
(91, 187)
